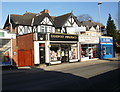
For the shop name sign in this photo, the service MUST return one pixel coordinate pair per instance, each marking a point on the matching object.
(63, 37)
(106, 40)
(83, 39)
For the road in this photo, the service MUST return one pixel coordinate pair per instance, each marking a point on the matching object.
(72, 76)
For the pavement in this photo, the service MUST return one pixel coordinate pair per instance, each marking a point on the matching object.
(59, 67)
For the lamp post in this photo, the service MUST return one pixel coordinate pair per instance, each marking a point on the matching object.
(99, 3)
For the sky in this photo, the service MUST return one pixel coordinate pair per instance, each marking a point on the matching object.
(60, 8)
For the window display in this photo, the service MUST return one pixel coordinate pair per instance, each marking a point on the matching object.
(89, 50)
(63, 52)
(55, 53)
(84, 52)
(73, 52)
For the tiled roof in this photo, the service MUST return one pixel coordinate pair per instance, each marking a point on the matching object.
(40, 17)
(24, 19)
(60, 20)
(90, 23)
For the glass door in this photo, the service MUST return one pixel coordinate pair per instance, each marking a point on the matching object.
(65, 53)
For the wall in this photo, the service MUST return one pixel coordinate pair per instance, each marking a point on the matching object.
(22, 42)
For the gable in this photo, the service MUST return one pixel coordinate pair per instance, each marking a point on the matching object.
(46, 21)
(92, 29)
(71, 22)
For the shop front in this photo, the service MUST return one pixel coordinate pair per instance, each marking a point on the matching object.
(6, 47)
(59, 48)
(106, 48)
(89, 47)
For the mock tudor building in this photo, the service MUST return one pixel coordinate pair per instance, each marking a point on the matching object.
(54, 46)
(23, 44)
(42, 38)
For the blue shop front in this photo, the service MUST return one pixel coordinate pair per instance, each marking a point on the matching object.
(106, 47)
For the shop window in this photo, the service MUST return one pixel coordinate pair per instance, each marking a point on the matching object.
(84, 50)
(108, 50)
(63, 52)
(55, 53)
(73, 52)
(95, 51)
(89, 50)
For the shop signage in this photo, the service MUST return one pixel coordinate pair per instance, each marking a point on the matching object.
(106, 40)
(63, 37)
(87, 39)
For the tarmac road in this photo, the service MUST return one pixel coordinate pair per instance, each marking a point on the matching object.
(94, 75)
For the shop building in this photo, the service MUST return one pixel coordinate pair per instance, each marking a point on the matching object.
(106, 47)
(38, 30)
(6, 47)
(58, 45)
(56, 48)
(89, 47)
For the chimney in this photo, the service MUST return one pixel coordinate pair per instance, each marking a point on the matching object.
(90, 20)
(44, 11)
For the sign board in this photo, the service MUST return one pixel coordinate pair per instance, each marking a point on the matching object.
(63, 37)
(106, 40)
(88, 39)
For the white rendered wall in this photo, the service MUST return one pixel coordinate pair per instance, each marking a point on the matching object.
(47, 52)
(36, 53)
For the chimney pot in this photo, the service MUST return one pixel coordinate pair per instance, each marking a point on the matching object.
(44, 11)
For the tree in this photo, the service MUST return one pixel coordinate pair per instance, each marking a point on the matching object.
(84, 17)
(111, 28)
(111, 31)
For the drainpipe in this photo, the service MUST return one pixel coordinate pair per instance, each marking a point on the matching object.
(10, 24)
(11, 40)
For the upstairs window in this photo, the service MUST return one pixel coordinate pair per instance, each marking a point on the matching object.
(1, 34)
(42, 28)
(46, 29)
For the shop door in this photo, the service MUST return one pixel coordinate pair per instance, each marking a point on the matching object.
(65, 55)
(42, 53)
(25, 58)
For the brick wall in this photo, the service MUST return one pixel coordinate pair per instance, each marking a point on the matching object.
(22, 42)
(25, 42)
(15, 51)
